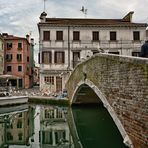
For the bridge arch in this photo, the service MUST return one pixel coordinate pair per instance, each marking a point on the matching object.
(123, 82)
(98, 97)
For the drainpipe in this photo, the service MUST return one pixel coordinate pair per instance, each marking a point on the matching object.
(68, 68)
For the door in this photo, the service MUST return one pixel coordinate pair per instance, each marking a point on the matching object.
(20, 83)
(58, 84)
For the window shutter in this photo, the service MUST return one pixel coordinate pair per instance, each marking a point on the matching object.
(55, 57)
(39, 58)
(42, 57)
(63, 57)
(50, 57)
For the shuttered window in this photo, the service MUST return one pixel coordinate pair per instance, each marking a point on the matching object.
(59, 57)
(19, 57)
(9, 45)
(8, 57)
(46, 57)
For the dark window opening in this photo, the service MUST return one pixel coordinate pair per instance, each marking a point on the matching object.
(59, 35)
(136, 35)
(9, 68)
(76, 35)
(46, 35)
(95, 36)
(112, 36)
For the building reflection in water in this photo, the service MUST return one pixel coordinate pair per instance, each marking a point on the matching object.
(54, 130)
(35, 127)
(15, 127)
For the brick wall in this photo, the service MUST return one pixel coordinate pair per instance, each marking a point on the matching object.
(124, 83)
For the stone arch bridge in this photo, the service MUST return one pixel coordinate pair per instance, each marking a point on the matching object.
(121, 85)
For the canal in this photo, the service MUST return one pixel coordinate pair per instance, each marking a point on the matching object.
(45, 126)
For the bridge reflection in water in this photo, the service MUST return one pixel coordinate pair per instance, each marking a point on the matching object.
(38, 126)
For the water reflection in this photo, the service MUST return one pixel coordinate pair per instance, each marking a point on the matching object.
(34, 127)
(37, 126)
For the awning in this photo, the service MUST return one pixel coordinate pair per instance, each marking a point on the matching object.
(9, 77)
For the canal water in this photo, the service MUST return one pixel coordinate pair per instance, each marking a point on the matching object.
(44, 126)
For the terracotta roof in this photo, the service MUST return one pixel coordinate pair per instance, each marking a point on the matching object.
(11, 37)
(82, 21)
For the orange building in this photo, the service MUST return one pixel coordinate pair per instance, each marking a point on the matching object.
(17, 61)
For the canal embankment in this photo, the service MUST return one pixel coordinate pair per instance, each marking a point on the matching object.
(32, 95)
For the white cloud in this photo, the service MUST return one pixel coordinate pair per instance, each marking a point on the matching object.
(19, 17)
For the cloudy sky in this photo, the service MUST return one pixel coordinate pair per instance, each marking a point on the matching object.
(20, 17)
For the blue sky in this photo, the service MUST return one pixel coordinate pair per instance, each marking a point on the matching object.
(20, 17)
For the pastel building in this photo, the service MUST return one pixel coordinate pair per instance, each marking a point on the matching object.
(18, 60)
(64, 42)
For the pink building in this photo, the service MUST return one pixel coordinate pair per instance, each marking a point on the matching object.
(17, 61)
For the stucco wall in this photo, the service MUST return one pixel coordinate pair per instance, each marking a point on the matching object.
(124, 83)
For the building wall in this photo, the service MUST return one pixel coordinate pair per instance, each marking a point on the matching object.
(124, 45)
(22, 128)
(1, 56)
(121, 83)
(25, 52)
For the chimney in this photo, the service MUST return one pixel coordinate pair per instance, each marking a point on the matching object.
(128, 17)
(43, 17)
(27, 37)
(32, 41)
(5, 34)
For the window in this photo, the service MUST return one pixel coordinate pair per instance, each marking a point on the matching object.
(49, 113)
(136, 35)
(27, 59)
(114, 52)
(49, 79)
(20, 114)
(19, 45)
(9, 45)
(59, 57)
(19, 124)
(59, 35)
(9, 68)
(8, 57)
(20, 136)
(76, 36)
(46, 57)
(136, 54)
(112, 36)
(19, 57)
(95, 35)
(46, 35)
(58, 84)
(19, 68)
(9, 136)
(95, 52)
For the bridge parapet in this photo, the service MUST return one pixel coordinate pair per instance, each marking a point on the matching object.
(121, 83)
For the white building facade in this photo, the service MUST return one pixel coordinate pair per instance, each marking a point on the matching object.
(64, 42)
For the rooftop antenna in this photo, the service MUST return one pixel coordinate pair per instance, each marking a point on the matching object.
(44, 5)
(84, 11)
